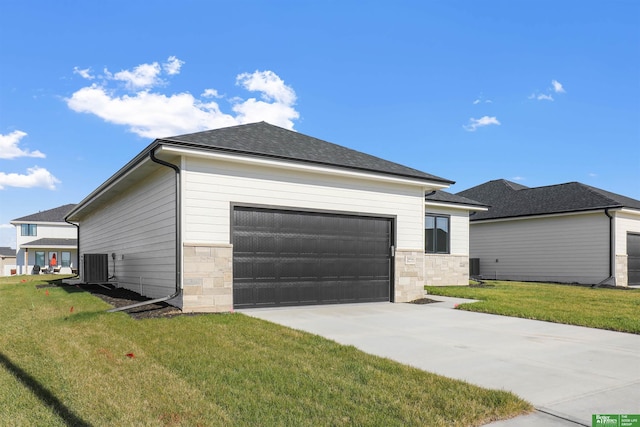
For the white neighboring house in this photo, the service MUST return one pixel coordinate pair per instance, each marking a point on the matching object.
(256, 215)
(44, 237)
(568, 233)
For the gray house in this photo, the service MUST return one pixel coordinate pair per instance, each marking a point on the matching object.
(256, 215)
(562, 233)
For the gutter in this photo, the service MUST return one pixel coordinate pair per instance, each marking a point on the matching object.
(77, 226)
(611, 280)
(178, 290)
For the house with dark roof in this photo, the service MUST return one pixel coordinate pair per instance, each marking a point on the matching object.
(569, 233)
(256, 216)
(447, 237)
(7, 261)
(46, 240)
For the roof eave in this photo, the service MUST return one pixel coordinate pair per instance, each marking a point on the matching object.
(243, 157)
(72, 216)
(469, 207)
(543, 214)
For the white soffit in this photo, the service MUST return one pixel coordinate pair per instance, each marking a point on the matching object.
(301, 167)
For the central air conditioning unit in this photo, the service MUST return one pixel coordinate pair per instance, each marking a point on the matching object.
(474, 267)
(96, 268)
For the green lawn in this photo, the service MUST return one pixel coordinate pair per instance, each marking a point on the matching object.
(65, 361)
(603, 308)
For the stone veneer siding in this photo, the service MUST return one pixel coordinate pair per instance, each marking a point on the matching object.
(409, 275)
(207, 278)
(622, 270)
(446, 270)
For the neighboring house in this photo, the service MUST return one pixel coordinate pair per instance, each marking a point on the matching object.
(447, 237)
(256, 215)
(568, 233)
(7, 261)
(44, 237)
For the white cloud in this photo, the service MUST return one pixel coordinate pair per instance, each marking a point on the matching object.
(152, 114)
(210, 93)
(481, 122)
(35, 177)
(480, 100)
(541, 97)
(9, 146)
(271, 86)
(6, 226)
(84, 73)
(172, 66)
(518, 178)
(143, 76)
(557, 86)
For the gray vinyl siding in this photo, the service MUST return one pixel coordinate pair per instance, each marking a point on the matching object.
(139, 227)
(566, 248)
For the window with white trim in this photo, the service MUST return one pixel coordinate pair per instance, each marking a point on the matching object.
(29, 230)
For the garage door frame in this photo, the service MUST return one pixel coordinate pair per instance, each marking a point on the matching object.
(325, 212)
(633, 261)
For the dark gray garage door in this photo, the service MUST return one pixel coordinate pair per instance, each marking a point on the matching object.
(283, 258)
(633, 258)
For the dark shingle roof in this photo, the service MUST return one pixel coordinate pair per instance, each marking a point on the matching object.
(51, 215)
(265, 140)
(7, 251)
(444, 197)
(51, 242)
(508, 199)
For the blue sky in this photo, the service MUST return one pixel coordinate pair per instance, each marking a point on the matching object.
(539, 92)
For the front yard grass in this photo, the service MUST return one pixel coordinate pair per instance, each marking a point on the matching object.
(65, 361)
(602, 308)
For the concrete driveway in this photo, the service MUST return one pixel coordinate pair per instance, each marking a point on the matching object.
(567, 372)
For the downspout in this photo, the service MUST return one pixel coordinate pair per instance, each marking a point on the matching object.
(178, 290)
(611, 280)
(77, 226)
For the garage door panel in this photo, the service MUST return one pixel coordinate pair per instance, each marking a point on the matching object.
(294, 258)
(633, 258)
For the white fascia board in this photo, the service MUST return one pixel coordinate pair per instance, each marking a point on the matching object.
(16, 223)
(28, 246)
(627, 211)
(301, 167)
(106, 186)
(526, 217)
(456, 206)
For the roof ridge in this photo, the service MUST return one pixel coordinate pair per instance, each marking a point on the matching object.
(512, 185)
(592, 190)
(600, 193)
(551, 185)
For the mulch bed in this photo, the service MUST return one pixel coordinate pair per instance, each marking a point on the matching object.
(423, 301)
(120, 297)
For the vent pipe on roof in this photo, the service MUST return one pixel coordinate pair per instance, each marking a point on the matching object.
(178, 279)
